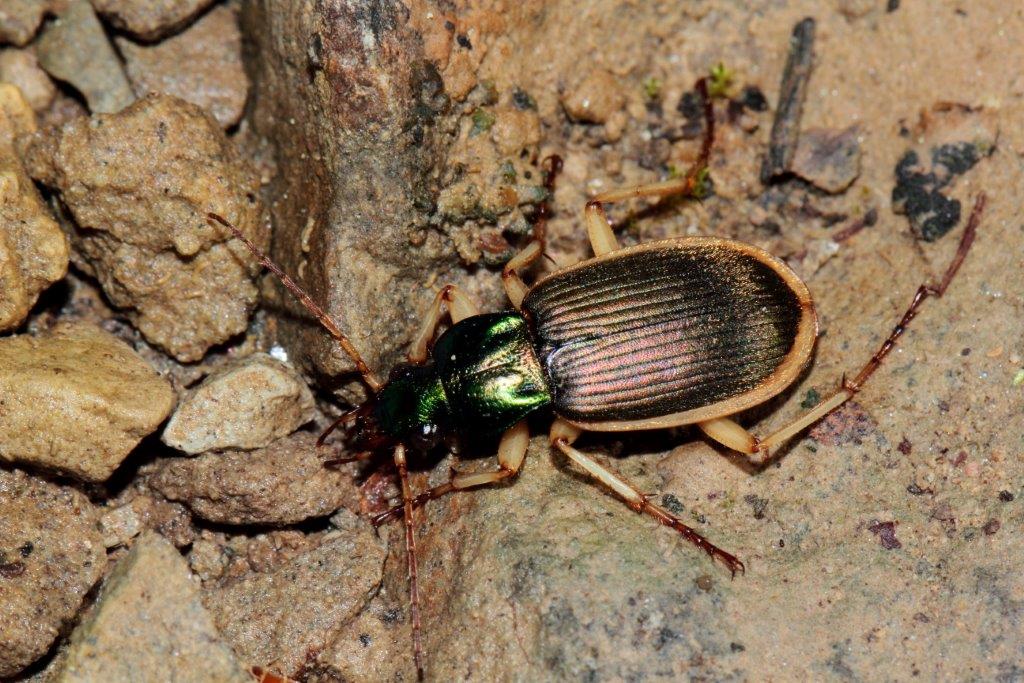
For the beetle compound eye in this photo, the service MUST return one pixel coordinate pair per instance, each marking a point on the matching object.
(426, 437)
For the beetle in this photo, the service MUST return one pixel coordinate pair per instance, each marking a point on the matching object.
(683, 331)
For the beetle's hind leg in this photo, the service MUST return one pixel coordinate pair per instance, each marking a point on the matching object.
(599, 227)
(511, 453)
(562, 436)
(732, 435)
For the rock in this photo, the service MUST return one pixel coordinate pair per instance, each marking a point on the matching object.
(50, 556)
(119, 525)
(244, 405)
(33, 250)
(139, 185)
(203, 65)
(20, 19)
(21, 68)
(351, 219)
(828, 159)
(75, 49)
(100, 400)
(299, 606)
(150, 20)
(372, 647)
(149, 623)
(595, 98)
(283, 483)
(954, 138)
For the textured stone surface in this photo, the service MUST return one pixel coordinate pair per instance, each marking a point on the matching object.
(20, 19)
(243, 405)
(75, 49)
(33, 250)
(149, 19)
(21, 68)
(149, 624)
(139, 185)
(828, 159)
(76, 400)
(283, 483)
(355, 147)
(119, 525)
(295, 608)
(202, 65)
(50, 556)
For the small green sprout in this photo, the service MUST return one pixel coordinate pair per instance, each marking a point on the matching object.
(702, 184)
(1018, 379)
(652, 88)
(673, 172)
(721, 80)
(482, 122)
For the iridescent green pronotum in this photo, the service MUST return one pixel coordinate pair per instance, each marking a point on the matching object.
(682, 331)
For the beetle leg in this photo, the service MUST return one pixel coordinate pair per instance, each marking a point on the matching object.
(640, 503)
(410, 554)
(459, 305)
(510, 274)
(511, 453)
(730, 434)
(599, 228)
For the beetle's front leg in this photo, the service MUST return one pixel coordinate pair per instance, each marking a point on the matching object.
(511, 453)
(562, 436)
(460, 307)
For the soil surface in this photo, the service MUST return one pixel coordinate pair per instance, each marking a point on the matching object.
(165, 507)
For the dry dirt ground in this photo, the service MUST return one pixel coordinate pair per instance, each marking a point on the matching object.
(387, 149)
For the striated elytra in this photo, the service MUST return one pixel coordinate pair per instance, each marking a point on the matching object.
(658, 335)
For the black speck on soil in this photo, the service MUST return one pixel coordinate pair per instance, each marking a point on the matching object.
(757, 503)
(991, 526)
(1005, 496)
(365, 639)
(737, 647)
(26, 549)
(752, 98)
(915, 490)
(892, 5)
(464, 41)
(905, 447)
(918, 193)
(522, 101)
(672, 504)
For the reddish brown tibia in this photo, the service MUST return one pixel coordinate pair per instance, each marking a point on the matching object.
(923, 292)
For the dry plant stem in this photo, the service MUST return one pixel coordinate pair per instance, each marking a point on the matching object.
(732, 435)
(306, 300)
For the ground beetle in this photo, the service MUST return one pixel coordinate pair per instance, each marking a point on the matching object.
(683, 331)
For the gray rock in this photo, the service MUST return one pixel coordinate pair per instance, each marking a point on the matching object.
(298, 607)
(149, 624)
(50, 556)
(21, 68)
(150, 19)
(828, 159)
(105, 398)
(20, 19)
(75, 49)
(243, 405)
(139, 185)
(203, 65)
(283, 483)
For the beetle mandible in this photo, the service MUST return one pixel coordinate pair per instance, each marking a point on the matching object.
(690, 330)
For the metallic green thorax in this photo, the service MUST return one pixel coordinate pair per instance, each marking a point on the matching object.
(484, 378)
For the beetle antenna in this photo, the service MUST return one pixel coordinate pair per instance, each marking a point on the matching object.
(410, 554)
(307, 301)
